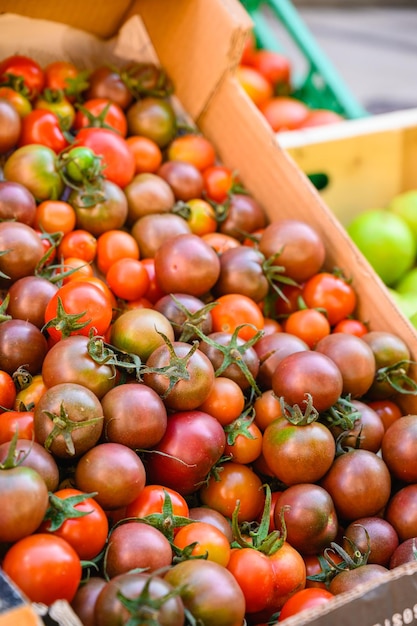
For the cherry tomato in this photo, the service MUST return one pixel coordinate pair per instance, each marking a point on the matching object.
(304, 599)
(78, 243)
(24, 68)
(54, 216)
(86, 533)
(257, 87)
(128, 279)
(16, 421)
(284, 113)
(225, 401)
(151, 500)
(310, 325)
(332, 293)
(46, 568)
(8, 391)
(209, 540)
(42, 127)
(146, 152)
(236, 482)
(113, 245)
(192, 148)
(117, 158)
(218, 182)
(83, 299)
(100, 113)
(232, 310)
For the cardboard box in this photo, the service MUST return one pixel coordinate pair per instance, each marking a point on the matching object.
(199, 43)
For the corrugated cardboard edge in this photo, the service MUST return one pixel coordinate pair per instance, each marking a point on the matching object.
(361, 593)
(244, 141)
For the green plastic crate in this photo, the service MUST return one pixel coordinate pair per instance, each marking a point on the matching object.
(321, 86)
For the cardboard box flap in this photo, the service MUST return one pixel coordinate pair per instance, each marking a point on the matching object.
(85, 50)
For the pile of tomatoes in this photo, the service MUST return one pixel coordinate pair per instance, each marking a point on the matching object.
(267, 77)
(190, 406)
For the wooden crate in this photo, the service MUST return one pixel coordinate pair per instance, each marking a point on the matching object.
(366, 162)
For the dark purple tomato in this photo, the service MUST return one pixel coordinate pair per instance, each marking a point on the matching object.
(22, 344)
(17, 203)
(367, 431)
(29, 297)
(243, 216)
(242, 271)
(185, 180)
(32, 454)
(348, 580)
(183, 310)
(136, 545)
(271, 349)
(354, 358)
(150, 231)
(406, 552)
(114, 471)
(401, 512)
(134, 415)
(84, 601)
(294, 245)
(233, 366)
(310, 519)
(104, 82)
(399, 448)
(381, 535)
(359, 483)
(21, 250)
(211, 516)
(305, 374)
(110, 609)
(188, 264)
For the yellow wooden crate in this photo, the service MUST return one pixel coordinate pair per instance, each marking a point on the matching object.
(364, 163)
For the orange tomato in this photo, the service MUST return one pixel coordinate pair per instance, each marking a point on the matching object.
(192, 148)
(146, 152)
(54, 216)
(233, 310)
(113, 245)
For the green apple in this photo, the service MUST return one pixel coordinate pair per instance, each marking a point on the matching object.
(405, 205)
(386, 240)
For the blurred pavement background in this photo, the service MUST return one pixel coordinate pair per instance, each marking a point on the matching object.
(372, 45)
